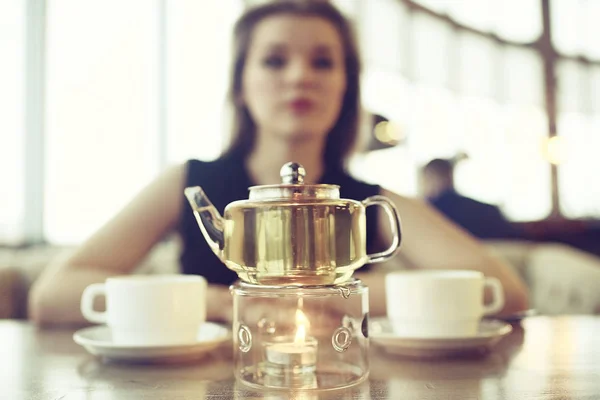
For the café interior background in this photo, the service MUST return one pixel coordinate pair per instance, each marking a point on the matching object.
(99, 96)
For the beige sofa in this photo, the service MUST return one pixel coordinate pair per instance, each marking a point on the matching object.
(20, 267)
(562, 280)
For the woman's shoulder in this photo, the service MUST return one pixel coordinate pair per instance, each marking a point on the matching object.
(212, 166)
(224, 180)
(199, 171)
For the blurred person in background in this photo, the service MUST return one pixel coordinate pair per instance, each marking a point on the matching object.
(295, 95)
(482, 220)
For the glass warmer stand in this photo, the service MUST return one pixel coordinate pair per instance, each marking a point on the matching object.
(301, 337)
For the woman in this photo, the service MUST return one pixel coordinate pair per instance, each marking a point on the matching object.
(295, 92)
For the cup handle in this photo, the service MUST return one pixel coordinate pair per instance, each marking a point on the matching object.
(394, 218)
(87, 303)
(498, 296)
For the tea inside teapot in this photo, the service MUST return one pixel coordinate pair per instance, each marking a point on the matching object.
(292, 233)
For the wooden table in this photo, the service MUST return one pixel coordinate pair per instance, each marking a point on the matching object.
(544, 358)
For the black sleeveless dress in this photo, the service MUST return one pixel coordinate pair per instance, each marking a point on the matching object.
(225, 180)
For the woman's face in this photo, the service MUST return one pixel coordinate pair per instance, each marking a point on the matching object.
(294, 77)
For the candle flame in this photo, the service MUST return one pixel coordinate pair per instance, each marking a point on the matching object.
(300, 334)
(301, 324)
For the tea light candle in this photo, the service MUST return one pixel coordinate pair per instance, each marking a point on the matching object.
(290, 353)
(299, 351)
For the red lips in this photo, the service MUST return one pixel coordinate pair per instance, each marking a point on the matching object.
(301, 105)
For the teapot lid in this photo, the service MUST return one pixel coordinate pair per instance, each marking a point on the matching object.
(293, 187)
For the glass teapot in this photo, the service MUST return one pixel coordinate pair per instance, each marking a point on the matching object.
(292, 233)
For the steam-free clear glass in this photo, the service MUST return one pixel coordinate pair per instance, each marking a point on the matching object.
(301, 338)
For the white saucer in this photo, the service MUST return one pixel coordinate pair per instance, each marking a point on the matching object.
(98, 341)
(490, 332)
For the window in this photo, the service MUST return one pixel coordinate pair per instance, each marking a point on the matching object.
(516, 20)
(575, 27)
(12, 119)
(386, 51)
(102, 107)
(452, 92)
(126, 97)
(579, 165)
(579, 141)
(117, 90)
(198, 47)
(478, 71)
(430, 46)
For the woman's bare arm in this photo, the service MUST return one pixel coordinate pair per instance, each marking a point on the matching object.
(116, 249)
(429, 240)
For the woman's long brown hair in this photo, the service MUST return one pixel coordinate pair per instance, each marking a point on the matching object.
(342, 138)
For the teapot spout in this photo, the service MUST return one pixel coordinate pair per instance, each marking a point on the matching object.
(211, 223)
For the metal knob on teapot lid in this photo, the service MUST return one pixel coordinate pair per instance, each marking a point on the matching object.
(292, 173)
(292, 187)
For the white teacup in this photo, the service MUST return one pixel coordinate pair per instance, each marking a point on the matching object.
(440, 303)
(149, 310)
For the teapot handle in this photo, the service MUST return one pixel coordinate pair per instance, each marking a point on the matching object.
(394, 218)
